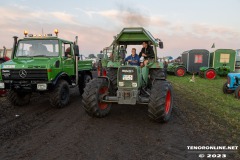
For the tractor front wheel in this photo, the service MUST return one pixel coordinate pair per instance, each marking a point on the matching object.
(161, 101)
(210, 74)
(237, 93)
(180, 72)
(226, 90)
(92, 98)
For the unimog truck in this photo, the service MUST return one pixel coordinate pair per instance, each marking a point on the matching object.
(44, 64)
(131, 85)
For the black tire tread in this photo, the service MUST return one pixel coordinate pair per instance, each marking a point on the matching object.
(90, 98)
(54, 96)
(156, 106)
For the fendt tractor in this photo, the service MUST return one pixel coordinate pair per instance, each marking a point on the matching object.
(128, 84)
(222, 62)
(44, 64)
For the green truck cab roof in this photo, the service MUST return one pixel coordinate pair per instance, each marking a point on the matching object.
(45, 38)
(134, 36)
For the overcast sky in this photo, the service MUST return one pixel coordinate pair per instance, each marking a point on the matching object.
(180, 24)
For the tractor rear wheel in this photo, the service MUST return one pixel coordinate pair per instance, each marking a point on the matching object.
(60, 95)
(210, 74)
(92, 98)
(112, 75)
(19, 98)
(226, 90)
(180, 71)
(237, 93)
(161, 101)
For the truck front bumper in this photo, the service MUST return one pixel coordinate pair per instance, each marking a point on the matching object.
(27, 86)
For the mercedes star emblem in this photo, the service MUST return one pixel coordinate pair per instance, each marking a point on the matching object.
(23, 73)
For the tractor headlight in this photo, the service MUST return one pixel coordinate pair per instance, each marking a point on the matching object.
(121, 84)
(42, 86)
(134, 84)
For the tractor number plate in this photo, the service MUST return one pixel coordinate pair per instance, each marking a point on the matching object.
(128, 77)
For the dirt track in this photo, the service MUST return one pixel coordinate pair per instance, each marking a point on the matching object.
(38, 131)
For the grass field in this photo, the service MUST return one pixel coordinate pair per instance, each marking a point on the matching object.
(218, 110)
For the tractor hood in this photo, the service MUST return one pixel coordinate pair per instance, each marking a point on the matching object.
(28, 63)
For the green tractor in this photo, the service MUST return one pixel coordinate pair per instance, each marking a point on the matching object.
(44, 64)
(127, 84)
(222, 61)
(103, 59)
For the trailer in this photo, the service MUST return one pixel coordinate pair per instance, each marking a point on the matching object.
(191, 62)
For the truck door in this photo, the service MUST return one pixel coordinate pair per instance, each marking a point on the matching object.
(67, 58)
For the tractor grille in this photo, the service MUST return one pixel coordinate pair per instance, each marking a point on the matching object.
(22, 74)
(127, 72)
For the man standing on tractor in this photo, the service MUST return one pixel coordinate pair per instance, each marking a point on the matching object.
(146, 52)
(133, 59)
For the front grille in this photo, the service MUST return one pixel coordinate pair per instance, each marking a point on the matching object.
(28, 74)
(127, 71)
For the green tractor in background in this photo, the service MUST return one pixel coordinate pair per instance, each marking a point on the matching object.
(222, 62)
(103, 59)
(127, 84)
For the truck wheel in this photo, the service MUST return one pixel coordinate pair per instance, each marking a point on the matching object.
(161, 101)
(83, 82)
(60, 95)
(210, 74)
(180, 72)
(19, 98)
(226, 90)
(93, 93)
(237, 93)
(112, 75)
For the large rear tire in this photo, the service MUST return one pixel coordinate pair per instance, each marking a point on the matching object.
(19, 98)
(226, 90)
(161, 101)
(180, 72)
(210, 74)
(93, 93)
(60, 95)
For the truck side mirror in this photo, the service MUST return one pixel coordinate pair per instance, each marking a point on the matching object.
(76, 50)
(160, 45)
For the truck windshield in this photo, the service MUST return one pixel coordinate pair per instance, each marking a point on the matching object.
(37, 48)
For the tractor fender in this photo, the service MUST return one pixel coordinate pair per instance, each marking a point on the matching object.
(209, 68)
(105, 77)
(63, 76)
